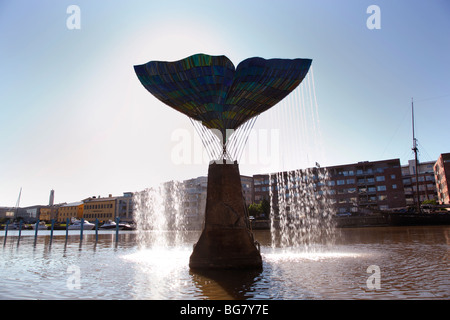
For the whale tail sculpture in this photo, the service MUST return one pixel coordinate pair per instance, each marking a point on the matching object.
(210, 90)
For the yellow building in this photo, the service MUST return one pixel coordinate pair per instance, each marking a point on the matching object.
(103, 209)
(69, 211)
(47, 213)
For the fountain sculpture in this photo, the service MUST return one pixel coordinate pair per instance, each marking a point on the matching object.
(222, 100)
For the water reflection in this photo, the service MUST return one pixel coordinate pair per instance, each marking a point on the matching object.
(413, 263)
(226, 284)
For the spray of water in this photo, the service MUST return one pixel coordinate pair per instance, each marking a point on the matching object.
(301, 212)
(159, 215)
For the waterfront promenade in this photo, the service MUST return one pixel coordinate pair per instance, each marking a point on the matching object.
(377, 220)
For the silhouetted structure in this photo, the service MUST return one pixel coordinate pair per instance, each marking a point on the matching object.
(226, 100)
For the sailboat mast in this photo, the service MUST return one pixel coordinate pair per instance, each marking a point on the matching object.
(415, 149)
(18, 204)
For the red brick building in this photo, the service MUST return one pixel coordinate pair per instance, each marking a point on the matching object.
(367, 186)
(442, 177)
(426, 182)
(361, 187)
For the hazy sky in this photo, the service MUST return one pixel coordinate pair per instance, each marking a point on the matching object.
(75, 118)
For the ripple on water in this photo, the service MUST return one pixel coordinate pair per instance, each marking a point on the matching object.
(410, 269)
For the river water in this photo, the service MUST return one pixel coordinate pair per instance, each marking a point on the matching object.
(363, 263)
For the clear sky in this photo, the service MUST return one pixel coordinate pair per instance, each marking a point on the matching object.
(75, 118)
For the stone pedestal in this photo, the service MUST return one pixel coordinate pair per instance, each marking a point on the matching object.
(226, 241)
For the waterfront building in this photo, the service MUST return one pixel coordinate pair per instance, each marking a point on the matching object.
(442, 176)
(7, 212)
(247, 189)
(103, 209)
(356, 188)
(367, 186)
(109, 208)
(125, 207)
(426, 182)
(194, 201)
(69, 211)
(29, 214)
(47, 213)
(261, 187)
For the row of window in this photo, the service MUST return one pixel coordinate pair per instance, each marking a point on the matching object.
(354, 200)
(340, 191)
(360, 190)
(355, 209)
(98, 206)
(421, 179)
(341, 182)
(422, 187)
(98, 216)
(360, 171)
(291, 178)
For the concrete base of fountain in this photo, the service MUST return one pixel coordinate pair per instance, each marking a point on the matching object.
(226, 241)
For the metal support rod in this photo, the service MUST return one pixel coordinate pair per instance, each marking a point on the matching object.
(36, 230)
(81, 229)
(117, 228)
(20, 231)
(6, 231)
(67, 228)
(96, 229)
(51, 230)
